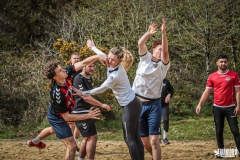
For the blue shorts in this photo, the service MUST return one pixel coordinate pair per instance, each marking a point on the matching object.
(150, 119)
(60, 126)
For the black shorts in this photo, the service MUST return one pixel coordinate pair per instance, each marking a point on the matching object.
(87, 127)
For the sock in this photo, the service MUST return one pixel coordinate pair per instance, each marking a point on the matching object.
(165, 134)
(80, 158)
(76, 140)
(36, 140)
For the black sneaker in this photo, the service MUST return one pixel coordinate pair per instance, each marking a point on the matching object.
(165, 140)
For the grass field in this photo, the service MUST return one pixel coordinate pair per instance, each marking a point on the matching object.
(181, 128)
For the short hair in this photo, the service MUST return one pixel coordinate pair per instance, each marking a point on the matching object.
(222, 56)
(75, 53)
(156, 43)
(49, 69)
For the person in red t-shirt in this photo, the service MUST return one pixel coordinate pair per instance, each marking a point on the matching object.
(226, 88)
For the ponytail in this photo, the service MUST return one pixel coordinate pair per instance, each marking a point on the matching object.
(128, 59)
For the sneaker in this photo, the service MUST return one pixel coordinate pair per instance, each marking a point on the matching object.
(165, 140)
(40, 145)
(219, 156)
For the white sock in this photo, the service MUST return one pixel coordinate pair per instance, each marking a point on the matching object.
(76, 140)
(165, 134)
(36, 140)
(80, 158)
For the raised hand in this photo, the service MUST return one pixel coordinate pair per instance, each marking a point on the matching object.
(103, 59)
(90, 44)
(152, 29)
(94, 113)
(164, 27)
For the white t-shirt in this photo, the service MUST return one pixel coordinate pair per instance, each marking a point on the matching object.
(149, 76)
(118, 81)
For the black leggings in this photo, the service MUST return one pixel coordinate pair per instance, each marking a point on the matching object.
(219, 115)
(131, 129)
(165, 116)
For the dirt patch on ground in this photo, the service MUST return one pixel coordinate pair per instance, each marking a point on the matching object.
(110, 150)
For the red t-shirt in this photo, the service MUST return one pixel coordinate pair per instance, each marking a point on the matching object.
(223, 87)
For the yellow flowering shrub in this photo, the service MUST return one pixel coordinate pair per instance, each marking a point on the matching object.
(65, 50)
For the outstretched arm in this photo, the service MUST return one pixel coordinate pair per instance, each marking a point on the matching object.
(203, 99)
(93, 101)
(91, 45)
(97, 90)
(142, 48)
(93, 114)
(79, 65)
(165, 54)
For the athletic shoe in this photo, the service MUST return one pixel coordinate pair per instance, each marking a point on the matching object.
(165, 140)
(219, 156)
(40, 145)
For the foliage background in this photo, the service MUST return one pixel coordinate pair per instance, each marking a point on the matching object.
(197, 32)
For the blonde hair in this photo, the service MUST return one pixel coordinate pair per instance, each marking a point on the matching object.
(124, 55)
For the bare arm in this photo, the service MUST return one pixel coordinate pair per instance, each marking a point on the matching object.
(91, 45)
(93, 113)
(142, 48)
(93, 101)
(237, 93)
(203, 99)
(79, 65)
(165, 53)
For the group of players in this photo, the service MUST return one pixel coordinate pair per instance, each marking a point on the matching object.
(71, 100)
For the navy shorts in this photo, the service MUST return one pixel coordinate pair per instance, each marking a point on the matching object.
(150, 119)
(60, 126)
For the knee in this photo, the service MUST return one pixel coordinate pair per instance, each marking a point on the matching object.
(154, 143)
(235, 132)
(52, 131)
(72, 147)
(145, 142)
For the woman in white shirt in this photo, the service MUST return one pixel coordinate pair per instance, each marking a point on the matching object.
(119, 61)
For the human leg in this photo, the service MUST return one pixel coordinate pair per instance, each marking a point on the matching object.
(147, 144)
(165, 117)
(76, 134)
(36, 142)
(219, 125)
(71, 147)
(156, 149)
(72, 126)
(91, 146)
(233, 124)
(82, 148)
(154, 118)
(131, 129)
(89, 133)
(63, 132)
